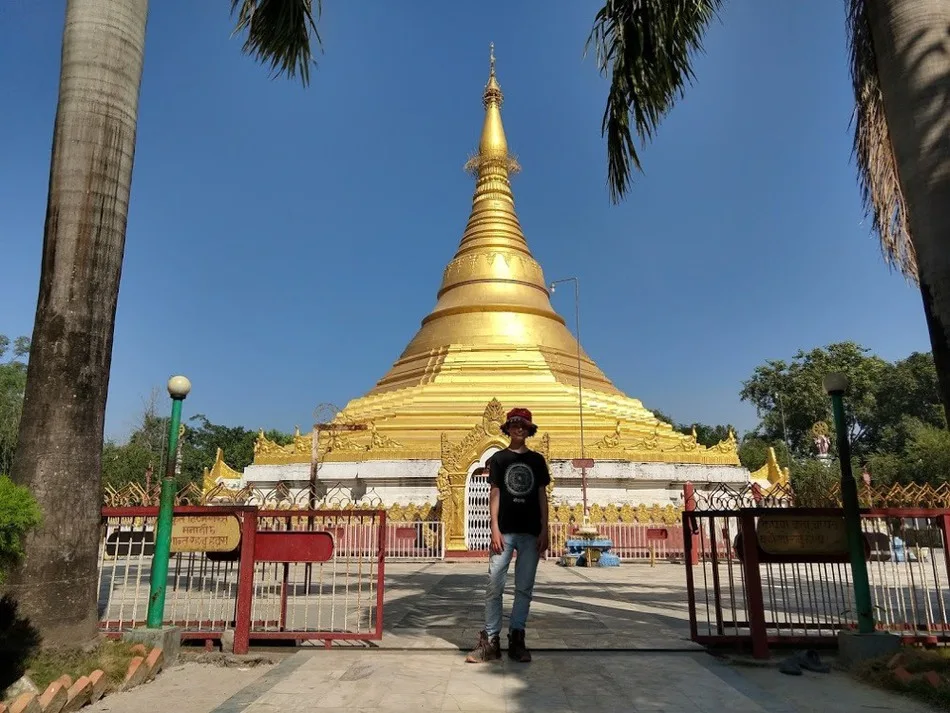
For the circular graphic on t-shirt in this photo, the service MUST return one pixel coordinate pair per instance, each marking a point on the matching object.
(519, 479)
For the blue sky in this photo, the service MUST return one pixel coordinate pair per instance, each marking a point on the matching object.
(293, 239)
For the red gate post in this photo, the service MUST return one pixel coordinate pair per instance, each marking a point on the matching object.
(245, 592)
(689, 500)
(688, 554)
(755, 605)
(282, 624)
(945, 529)
(380, 571)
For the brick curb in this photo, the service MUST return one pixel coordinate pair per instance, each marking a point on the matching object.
(67, 696)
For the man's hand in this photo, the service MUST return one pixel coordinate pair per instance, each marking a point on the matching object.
(497, 541)
(543, 541)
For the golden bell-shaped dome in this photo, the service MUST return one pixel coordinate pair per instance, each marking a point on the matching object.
(493, 298)
(493, 333)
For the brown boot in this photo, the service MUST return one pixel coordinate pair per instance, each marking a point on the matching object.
(517, 651)
(485, 650)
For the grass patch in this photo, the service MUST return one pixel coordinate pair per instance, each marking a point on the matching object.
(112, 657)
(916, 660)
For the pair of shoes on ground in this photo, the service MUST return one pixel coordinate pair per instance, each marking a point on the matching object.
(803, 661)
(489, 648)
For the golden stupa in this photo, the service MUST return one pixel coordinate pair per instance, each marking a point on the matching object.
(493, 341)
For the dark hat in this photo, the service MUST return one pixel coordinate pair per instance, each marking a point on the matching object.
(521, 415)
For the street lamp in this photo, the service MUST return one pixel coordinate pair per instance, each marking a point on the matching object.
(178, 388)
(580, 388)
(836, 384)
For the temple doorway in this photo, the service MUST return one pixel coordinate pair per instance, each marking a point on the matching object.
(477, 513)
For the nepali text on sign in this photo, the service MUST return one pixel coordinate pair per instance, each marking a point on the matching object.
(205, 533)
(802, 535)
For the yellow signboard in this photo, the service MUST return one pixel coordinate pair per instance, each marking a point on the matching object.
(802, 535)
(205, 533)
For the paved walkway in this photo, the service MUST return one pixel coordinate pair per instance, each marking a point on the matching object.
(604, 640)
(556, 682)
(439, 606)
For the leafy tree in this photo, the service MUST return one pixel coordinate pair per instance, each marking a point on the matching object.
(884, 400)
(144, 451)
(789, 396)
(19, 514)
(898, 64)
(201, 443)
(924, 458)
(12, 386)
(129, 463)
(907, 394)
(754, 452)
(706, 435)
(61, 431)
(814, 482)
(19, 640)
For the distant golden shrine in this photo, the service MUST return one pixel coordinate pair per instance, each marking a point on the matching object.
(492, 342)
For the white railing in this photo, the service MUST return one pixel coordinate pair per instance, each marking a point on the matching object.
(632, 541)
(414, 541)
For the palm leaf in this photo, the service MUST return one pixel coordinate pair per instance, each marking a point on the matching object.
(877, 166)
(279, 33)
(646, 49)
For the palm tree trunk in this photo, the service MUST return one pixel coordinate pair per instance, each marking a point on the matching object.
(912, 46)
(60, 441)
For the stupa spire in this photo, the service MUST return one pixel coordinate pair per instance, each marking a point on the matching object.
(493, 142)
(493, 294)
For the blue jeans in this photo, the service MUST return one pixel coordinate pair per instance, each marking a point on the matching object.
(526, 566)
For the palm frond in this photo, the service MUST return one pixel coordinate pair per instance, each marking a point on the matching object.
(881, 189)
(279, 33)
(646, 48)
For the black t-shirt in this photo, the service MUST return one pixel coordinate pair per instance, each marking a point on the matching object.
(519, 477)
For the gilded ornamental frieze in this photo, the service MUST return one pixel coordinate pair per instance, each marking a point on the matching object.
(656, 443)
(337, 446)
(635, 442)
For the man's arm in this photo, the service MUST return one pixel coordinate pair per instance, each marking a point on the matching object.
(494, 498)
(544, 534)
(543, 503)
(543, 498)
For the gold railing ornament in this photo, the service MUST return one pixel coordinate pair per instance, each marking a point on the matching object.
(782, 495)
(565, 513)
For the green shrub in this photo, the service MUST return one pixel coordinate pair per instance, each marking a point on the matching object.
(19, 513)
(814, 482)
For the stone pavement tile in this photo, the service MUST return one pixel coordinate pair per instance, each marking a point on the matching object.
(817, 693)
(404, 702)
(469, 702)
(354, 695)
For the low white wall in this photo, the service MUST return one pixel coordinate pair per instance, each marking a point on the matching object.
(414, 481)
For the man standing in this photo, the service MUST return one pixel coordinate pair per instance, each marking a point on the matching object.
(519, 523)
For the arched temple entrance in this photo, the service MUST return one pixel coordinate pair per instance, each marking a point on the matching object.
(477, 512)
(464, 498)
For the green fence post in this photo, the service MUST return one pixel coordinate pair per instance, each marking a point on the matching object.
(835, 385)
(178, 388)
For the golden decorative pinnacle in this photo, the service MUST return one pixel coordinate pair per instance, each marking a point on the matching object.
(492, 93)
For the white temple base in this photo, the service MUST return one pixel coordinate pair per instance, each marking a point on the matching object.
(403, 482)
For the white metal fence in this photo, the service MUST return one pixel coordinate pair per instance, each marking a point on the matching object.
(631, 541)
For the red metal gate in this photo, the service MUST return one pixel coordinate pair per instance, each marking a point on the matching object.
(735, 599)
(283, 581)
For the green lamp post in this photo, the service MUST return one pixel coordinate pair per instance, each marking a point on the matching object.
(178, 388)
(835, 385)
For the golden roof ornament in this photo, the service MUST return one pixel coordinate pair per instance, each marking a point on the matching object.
(493, 147)
(493, 94)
